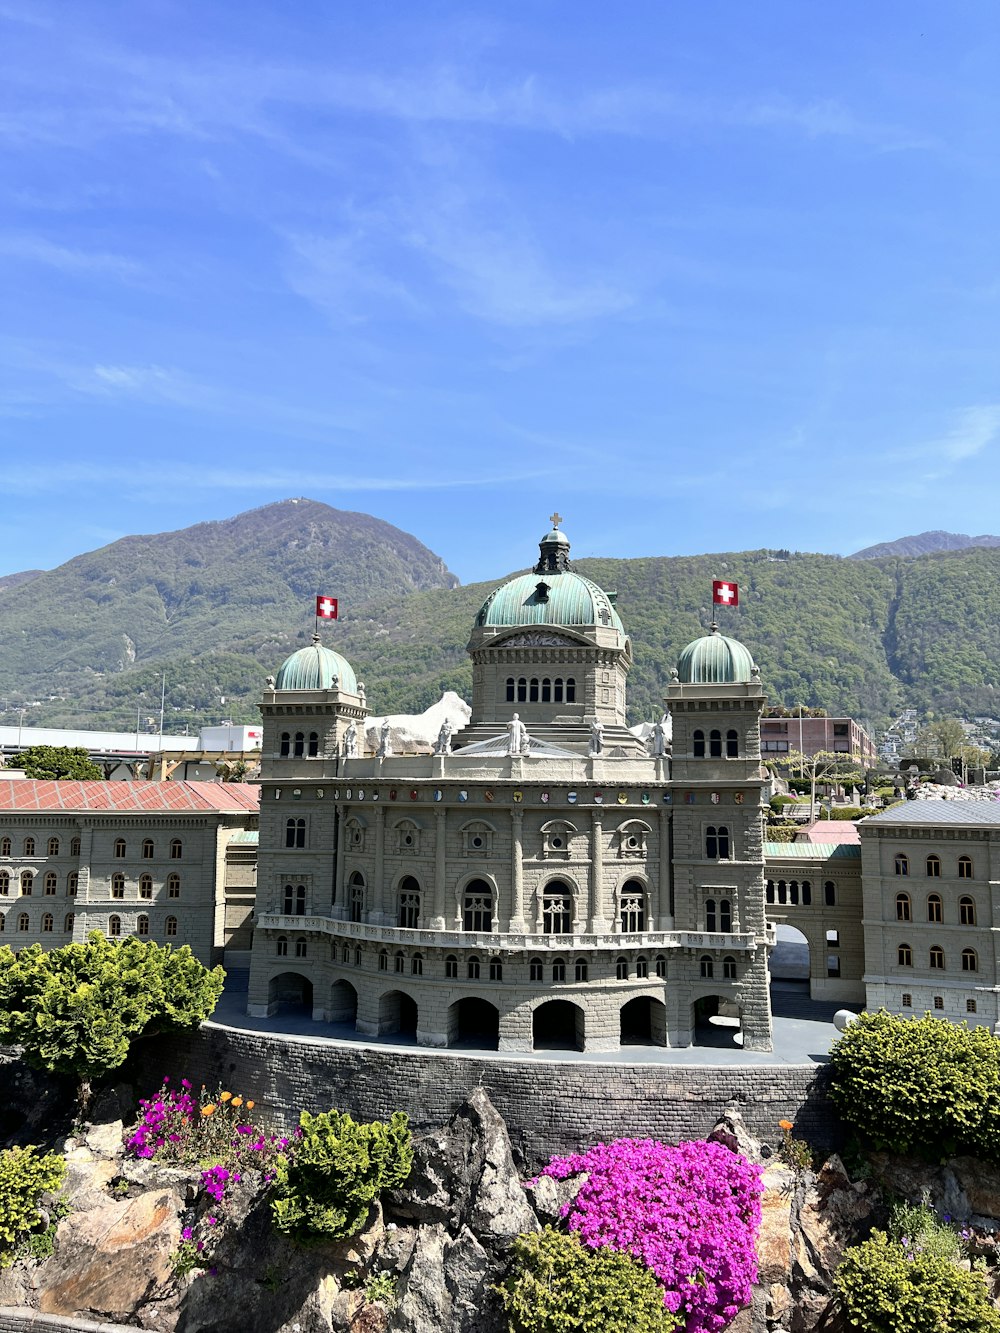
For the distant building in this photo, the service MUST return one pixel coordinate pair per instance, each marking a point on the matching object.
(811, 735)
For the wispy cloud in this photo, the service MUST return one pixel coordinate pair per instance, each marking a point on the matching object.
(38, 250)
(975, 429)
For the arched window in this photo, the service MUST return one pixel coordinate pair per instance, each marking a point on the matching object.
(176, 849)
(769, 891)
(829, 893)
(142, 926)
(295, 832)
(27, 882)
(557, 690)
(937, 958)
(147, 849)
(633, 910)
(559, 969)
(904, 911)
(145, 886)
(285, 747)
(642, 968)
(533, 690)
(967, 911)
(522, 690)
(295, 900)
(53, 847)
(299, 745)
(535, 970)
(510, 689)
(807, 893)
(729, 968)
(345, 953)
(72, 883)
(732, 745)
(496, 969)
(74, 847)
(621, 969)
(118, 885)
(4, 846)
(717, 842)
(417, 965)
(546, 690)
(409, 903)
(357, 957)
(707, 966)
(357, 895)
(570, 690)
(69, 923)
(725, 915)
(698, 744)
(715, 744)
(300, 948)
(383, 961)
(114, 926)
(173, 886)
(29, 846)
(934, 867)
(793, 892)
(965, 867)
(4, 883)
(580, 969)
(661, 965)
(119, 849)
(170, 927)
(904, 956)
(51, 880)
(3, 922)
(935, 908)
(281, 946)
(473, 969)
(902, 863)
(711, 920)
(970, 960)
(477, 907)
(451, 966)
(48, 922)
(557, 909)
(22, 921)
(313, 744)
(782, 892)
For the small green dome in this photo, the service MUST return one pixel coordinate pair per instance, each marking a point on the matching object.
(316, 668)
(552, 598)
(715, 660)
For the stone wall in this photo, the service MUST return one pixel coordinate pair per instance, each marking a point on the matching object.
(549, 1106)
(14, 1320)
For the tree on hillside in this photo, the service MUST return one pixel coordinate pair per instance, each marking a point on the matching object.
(51, 762)
(944, 739)
(77, 1009)
(826, 766)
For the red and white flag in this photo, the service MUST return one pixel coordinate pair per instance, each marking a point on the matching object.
(725, 593)
(326, 608)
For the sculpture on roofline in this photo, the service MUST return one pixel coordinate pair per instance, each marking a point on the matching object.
(443, 743)
(659, 738)
(384, 740)
(517, 736)
(596, 737)
(351, 741)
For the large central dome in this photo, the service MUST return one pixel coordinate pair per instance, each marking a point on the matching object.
(552, 594)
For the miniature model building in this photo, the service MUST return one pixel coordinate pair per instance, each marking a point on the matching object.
(544, 879)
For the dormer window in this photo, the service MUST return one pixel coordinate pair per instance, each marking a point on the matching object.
(407, 833)
(541, 592)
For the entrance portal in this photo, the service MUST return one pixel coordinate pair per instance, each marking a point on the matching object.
(557, 1025)
(474, 1023)
(290, 993)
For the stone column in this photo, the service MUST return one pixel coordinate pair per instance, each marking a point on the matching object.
(517, 924)
(440, 868)
(598, 923)
(379, 893)
(341, 907)
(664, 916)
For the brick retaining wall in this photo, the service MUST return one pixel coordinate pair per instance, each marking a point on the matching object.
(549, 1106)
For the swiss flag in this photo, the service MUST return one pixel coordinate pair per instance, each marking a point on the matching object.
(725, 593)
(326, 608)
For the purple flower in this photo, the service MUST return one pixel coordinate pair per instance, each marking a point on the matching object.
(187, 1233)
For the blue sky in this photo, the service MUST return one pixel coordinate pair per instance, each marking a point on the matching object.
(702, 276)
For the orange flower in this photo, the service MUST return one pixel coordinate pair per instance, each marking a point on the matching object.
(224, 1096)
(785, 1124)
(209, 1109)
(250, 1106)
(237, 1101)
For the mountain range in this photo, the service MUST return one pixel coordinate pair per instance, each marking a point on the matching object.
(216, 607)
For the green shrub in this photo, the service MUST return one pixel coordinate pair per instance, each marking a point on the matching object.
(327, 1184)
(846, 812)
(24, 1177)
(917, 1227)
(557, 1285)
(781, 832)
(919, 1085)
(887, 1287)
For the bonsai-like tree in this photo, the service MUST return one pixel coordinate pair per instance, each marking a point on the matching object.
(52, 762)
(827, 766)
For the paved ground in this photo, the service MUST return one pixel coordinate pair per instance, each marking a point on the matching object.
(803, 1034)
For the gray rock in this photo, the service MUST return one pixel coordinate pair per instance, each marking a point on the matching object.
(731, 1131)
(549, 1197)
(446, 1285)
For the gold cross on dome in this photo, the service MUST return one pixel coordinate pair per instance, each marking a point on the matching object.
(555, 519)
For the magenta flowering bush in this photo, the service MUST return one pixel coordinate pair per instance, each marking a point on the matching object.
(167, 1121)
(690, 1212)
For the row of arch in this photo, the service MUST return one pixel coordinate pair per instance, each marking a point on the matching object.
(50, 885)
(935, 909)
(546, 690)
(716, 745)
(298, 745)
(936, 958)
(932, 866)
(29, 846)
(115, 930)
(795, 891)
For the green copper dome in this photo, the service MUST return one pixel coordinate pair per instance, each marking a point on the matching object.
(316, 668)
(552, 594)
(715, 660)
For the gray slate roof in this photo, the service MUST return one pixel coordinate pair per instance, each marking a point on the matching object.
(938, 812)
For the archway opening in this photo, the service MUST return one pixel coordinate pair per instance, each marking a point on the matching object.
(717, 1021)
(644, 1022)
(290, 993)
(557, 1025)
(343, 1003)
(397, 1014)
(475, 1023)
(789, 963)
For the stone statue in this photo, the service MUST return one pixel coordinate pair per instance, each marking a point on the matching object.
(351, 741)
(596, 737)
(269, 682)
(517, 734)
(384, 740)
(361, 693)
(660, 737)
(443, 743)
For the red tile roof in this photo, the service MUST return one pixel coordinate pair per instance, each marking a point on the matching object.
(26, 794)
(829, 831)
